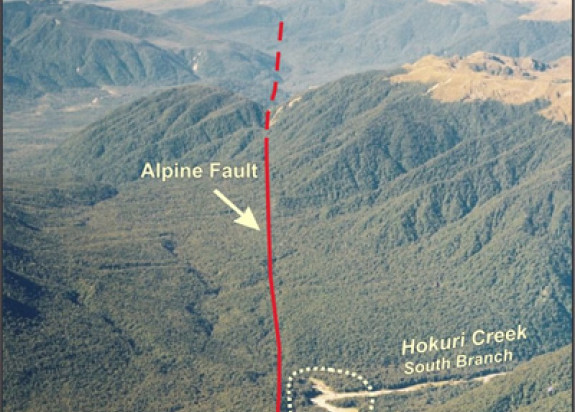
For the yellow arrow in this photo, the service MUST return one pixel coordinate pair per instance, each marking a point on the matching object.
(246, 218)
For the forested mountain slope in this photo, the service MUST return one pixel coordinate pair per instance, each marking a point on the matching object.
(52, 46)
(396, 216)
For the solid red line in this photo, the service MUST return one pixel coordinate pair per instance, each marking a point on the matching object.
(268, 120)
(271, 277)
(278, 58)
(274, 91)
(281, 31)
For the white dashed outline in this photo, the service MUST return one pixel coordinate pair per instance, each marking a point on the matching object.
(308, 370)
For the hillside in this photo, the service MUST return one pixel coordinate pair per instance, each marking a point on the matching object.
(543, 10)
(527, 388)
(192, 124)
(483, 76)
(377, 34)
(152, 6)
(53, 46)
(561, 10)
(396, 216)
(541, 384)
(442, 196)
(50, 46)
(121, 322)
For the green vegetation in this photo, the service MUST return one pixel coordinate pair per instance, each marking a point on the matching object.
(327, 39)
(119, 318)
(395, 217)
(190, 124)
(542, 384)
(527, 388)
(542, 39)
(418, 401)
(53, 46)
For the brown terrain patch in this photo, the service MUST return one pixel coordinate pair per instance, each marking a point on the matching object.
(483, 76)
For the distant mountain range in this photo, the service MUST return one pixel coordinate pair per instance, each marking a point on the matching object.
(50, 45)
(377, 34)
(543, 10)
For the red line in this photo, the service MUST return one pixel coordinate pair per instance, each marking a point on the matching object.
(274, 91)
(271, 277)
(278, 58)
(281, 31)
(268, 120)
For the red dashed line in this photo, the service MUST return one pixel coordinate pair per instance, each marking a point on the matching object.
(281, 31)
(268, 120)
(278, 59)
(274, 91)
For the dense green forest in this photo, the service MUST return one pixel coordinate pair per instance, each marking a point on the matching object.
(395, 217)
(543, 384)
(52, 46)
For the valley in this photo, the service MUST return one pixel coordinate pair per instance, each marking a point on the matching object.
(421, 191)
(190, 281)
(328, 395)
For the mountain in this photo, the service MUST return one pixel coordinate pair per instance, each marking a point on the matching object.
(542, 10)
(483, 76)
(550, 10)
(540, 39)
(51, 46)
(152, 6)
(427, 204)
(234, 66)
(539, 10)
(192, 124)
(231, 43)
(377, 34)
(396, 216)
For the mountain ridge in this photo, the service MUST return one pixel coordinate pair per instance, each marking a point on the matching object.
(542, 10)
(52, 46)
(377, 34)
(482, 76)
(475, 211)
